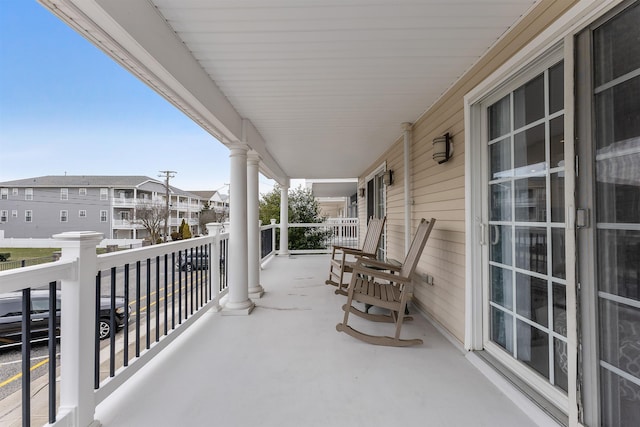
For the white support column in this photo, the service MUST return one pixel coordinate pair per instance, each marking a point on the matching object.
(284, 219)
(253, 225)
(77, 398)
(238, 302)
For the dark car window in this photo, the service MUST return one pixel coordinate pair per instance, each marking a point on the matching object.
(41, 305)
(10, 308)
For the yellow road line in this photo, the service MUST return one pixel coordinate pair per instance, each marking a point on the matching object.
(18, 376)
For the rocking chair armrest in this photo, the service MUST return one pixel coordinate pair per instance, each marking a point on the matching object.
(379, 274)
(379, 265)
(351, 251)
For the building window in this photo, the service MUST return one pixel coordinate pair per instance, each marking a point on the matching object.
(28, 216)
(14, 191)
(28, 193)
(64, 216)
(82, 191)
(104, 193)
(4, 193)
(14, 213)
(103, 216)
(4, 216)
(82, 213)
(124, 215)
(64, 194)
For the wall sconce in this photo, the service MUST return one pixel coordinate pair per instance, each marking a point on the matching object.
(362, 192)
(442, 148)
(388, 177)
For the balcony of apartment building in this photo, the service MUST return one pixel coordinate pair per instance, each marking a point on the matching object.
(183, 359)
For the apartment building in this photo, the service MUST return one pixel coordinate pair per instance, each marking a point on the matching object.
(42, 206)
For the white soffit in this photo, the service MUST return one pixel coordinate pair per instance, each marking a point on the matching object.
(326, 84)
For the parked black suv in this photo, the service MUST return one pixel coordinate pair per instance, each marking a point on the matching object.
(11, 316)
(195, 262)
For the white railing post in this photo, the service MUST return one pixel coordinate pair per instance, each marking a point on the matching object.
(77, 398)
(273, 235)
(213, 229)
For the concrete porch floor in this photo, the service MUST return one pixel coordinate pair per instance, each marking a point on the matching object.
(286, 365)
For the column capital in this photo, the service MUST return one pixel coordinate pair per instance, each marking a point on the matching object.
(253, 157)
(407, 126)
(238, 148)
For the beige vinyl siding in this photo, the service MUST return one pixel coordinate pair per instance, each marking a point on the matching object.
(438, 191)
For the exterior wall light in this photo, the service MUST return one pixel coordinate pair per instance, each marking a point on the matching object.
(442, 148)
(362, 192)
(388, 177)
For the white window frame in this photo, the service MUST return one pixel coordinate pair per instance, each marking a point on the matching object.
(14, 191)
(28, 215)
(82, 213)
(82, 191)
(4, 216)
(104, 216)
(4, 193)
(28, 193)
(64, 194)
(104, 194)
(64, 215)
(14, 213)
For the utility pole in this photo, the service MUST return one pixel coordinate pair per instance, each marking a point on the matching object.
(166, 175)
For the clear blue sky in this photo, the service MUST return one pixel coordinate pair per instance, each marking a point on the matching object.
(65, 107)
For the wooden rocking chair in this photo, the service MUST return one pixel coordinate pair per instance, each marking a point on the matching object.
(342, 258)
(387, 286)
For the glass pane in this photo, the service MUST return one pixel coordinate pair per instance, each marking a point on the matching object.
(528, 150)
(617, 46)
(560, 309)
(502, 329)
(531, 249)
(560, 364)
(500, 241)
(533, 347)
(556, 142)
(500, 202)
(618, 117)
(618, 262)
(558, 268)
(499, 123)
(532, 298)
(556, 88)
(531, 203)
(620, 336)
(500, 153)
(620, 400)
(528, 102)
(502, 287)
(557, 197)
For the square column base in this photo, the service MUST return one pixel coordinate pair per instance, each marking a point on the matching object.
(235, 309)
(256, 292)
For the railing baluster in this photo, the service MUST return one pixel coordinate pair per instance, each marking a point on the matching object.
(96, 340)
(138, 265)
(191, 282)
(53, 326)
(112, 324)
(26, 357)
(157, 298)
(173, 290)
(126, 319)
(180, 286)
(166, 286)
(148, 322)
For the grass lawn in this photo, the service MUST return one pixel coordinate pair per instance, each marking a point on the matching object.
(18, 254)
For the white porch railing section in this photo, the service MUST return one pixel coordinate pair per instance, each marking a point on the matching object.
(165, 288)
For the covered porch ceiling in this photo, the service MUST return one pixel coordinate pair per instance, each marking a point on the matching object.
(318, 88)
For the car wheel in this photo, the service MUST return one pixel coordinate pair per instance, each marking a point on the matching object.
(104, 329)
(188, 267)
